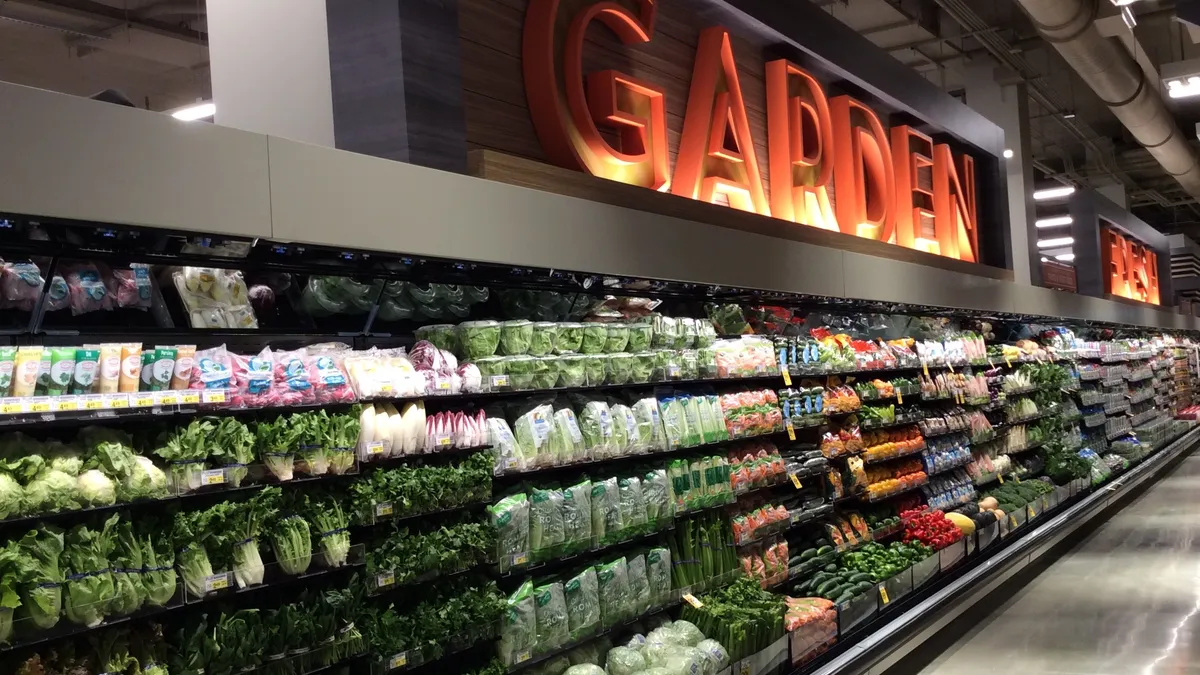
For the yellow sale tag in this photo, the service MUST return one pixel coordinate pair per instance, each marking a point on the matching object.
(119, 402)
(444, 441)
(883, 595)
(93, 403)
(787, 376)
(213, 476)
(384, 509)
(791, 429)
(39, 405)
(398, 661)
(1001, 477)
(691, 600)
(216, 396)
(375, 448)
(444, 384)
(143, 401)
(1012, 521)
(385, 580)
(191, 397)
(66, 404)
(925, 367)
(169, 399)
(10, 408)
(795, 480)
(899, 397)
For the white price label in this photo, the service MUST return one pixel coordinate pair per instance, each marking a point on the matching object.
(385, 580)
(520, 559)
(216, 582)
(522, 657)
(444, 440)
(190, 398)
(116, 401)
(143, 400)
(398, 661)
(92, 402)
(166, 398)
(213, 476)
(673, 372)
(12, 406)
(41, 404)
(375, 448)
(384, 509)
(499, 381)
(443, 385)
(213, 396)
(66, 404)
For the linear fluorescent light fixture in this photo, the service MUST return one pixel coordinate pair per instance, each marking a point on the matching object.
(198, 111)
(1065, 257)
(1053, 193)
(1184, 88)
(1054, 222)
(1122, 3)
(1059, 241)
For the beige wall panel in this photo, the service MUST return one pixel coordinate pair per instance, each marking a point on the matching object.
(70, 157)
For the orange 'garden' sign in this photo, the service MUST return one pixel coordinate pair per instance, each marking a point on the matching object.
(1131, 269)
(815, 145)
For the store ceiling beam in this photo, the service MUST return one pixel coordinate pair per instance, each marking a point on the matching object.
(99, 12)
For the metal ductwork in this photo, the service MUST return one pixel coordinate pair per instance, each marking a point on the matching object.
(1070, 26)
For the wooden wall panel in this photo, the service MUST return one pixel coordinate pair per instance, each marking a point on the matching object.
(497, 114)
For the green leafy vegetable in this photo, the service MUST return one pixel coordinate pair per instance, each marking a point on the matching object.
(89, 579)
(185, 450)
(40, 577)
(232, 446)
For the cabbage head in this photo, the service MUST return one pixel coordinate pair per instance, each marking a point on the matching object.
(96, 489)
(145, 481)
(52, 491)
(12, 496)
(65, 459)
(624, 661)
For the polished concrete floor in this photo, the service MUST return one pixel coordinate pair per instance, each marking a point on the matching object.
(1126, 601)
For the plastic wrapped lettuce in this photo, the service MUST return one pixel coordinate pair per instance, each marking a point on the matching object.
(585, 669)
(566, 425)
(577, 516)
(550, 612)
(692, 432)
(656, 491)
(478, 339)
(510, 521)
(441, 335)
(641, 336)
(596, 424)
(559, 449)
(617, 338)
(639, 585)
(706, 334)
(490, 365)
(689, 364)
(532, 424)
(625, 429)
(666, 365)
(521, 372)
(674, 423)
(624, 661)
(545, 372)
(546, 529)
(707, 362)
(555, 666)
(613, 579)
(665, 331)
(710, 428)
(586, 655)
(570, 338)
(642, 368)
(633, 504)
(595, 338)
(619, 369)
(686, 337)
(606, 511)
(658, 574)
(518, 630)
(515, 337)
(649, 424)
(689, 632)
(582, 594)
(572, 371)
(715, 653)
(595, 369)
(544, 339)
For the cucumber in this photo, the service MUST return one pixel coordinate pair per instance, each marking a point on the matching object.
(821, 577)
(860, 577)
(824, 589)
(809, 554)
(863, 586)
(831, 568)
(822, 543)
(824, 550)
(844, 597)
(795, 560)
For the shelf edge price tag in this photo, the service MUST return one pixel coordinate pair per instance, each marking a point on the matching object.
(191, 398)
(216, 582)
(691, 600)
(499, 381)
(883, 595)
(66, 404)
(383, 509)
(213, 396)
(398, 661)
(385, 580)
(444, 441)
(40, 404)
(522, 657)
(212, 477)
(795, 480)
(925, 368)
(520, 559)
(116, 401)
(375, 448)
(899, 397)
(791, 430)
(168, 398)
(12, 406)
(143, 401)
(93, 402)
(1000, 477)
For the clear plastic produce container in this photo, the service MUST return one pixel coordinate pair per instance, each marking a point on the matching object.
(478, 339)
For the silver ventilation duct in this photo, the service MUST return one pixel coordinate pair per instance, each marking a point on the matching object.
(1069, 25)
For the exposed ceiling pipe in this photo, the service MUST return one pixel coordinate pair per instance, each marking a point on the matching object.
(1070, 27)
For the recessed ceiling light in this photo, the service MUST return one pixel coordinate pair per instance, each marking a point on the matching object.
(198, 111)
(1054, 222)
(1180, 88)
(1054, 193)
(1069, 116)
(1058, 241)
(1008, 153)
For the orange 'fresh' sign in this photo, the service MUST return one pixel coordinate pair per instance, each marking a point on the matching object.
(1131, 268)
(814, 144)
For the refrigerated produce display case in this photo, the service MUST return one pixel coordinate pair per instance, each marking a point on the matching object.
(224, 455)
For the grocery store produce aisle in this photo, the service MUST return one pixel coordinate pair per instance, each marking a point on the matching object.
(1126, 601)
